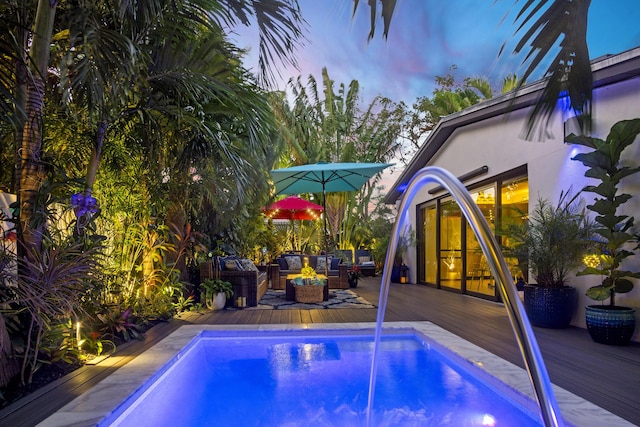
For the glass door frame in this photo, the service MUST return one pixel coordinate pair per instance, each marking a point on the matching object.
(496, 181)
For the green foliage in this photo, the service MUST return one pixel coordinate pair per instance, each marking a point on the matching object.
(450, 96)
(327, 124)
(615, 230)
(406, 240)
(119, 323)
(186, 130)
(381, 226)
(60, 343)
(551, 242)
(95, 344)
(216, 286)
(50, 289)
(184, 304)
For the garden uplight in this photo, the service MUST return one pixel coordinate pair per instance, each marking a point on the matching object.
(78, 334)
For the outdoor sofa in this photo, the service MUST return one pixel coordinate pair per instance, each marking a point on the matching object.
(246, 278)
(287, 264)
(364, 261)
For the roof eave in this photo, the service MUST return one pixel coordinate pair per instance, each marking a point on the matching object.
(607, 70)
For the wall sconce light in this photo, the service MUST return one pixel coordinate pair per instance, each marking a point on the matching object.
(571, 125)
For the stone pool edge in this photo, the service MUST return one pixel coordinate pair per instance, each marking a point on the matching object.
(99, 402)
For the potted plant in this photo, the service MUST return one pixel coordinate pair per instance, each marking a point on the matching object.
(216, 293)
(353, 275)
(551, 244)
(610, 324)
(400, 271)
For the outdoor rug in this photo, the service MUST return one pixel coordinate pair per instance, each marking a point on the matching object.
(338, 298)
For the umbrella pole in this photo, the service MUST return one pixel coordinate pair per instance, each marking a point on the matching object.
(326, 242)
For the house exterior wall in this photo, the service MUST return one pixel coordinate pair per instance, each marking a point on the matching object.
(497, 143)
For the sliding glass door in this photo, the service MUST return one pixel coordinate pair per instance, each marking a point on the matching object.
(479, 278)
(450, 244)
(430, 247)
(450, 254)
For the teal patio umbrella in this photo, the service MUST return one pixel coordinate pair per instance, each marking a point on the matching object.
(325, 178)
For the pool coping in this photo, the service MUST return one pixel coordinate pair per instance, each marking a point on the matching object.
(102, 400)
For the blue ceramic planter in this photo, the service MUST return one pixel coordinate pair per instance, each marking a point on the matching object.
(613, 325)
(550, 307)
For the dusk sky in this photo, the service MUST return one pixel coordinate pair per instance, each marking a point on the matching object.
(426, 38)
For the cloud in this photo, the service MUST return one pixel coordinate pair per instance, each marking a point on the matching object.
(426, 38)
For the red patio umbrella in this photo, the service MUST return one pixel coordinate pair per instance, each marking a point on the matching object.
(293, 208)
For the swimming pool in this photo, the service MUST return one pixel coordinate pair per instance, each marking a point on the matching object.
(330, 390)
(274, 379)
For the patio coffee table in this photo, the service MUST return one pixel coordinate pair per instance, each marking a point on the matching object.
(290, 291)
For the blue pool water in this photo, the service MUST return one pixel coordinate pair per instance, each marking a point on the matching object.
(318, 380)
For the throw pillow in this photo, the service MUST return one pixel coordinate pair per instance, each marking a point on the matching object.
(335, 263)
(248, 265)
(363, 259)
(282, 263)
(321, 265)
(294, 263)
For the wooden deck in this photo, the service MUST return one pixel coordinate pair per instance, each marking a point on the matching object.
(605, 375)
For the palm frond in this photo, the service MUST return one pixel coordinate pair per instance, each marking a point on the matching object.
(561, 26)
(388, 6)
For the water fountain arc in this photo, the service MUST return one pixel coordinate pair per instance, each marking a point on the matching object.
(533, 361)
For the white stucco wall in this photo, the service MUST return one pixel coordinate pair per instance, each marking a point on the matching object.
(498, 144)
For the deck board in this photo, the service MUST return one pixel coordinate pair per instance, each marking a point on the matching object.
(608, 376)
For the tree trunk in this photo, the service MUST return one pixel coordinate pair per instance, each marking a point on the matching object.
(92, 168)
(31, 172)
(31, 169)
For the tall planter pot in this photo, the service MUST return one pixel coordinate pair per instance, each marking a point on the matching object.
(613, 325)
(399, 274)
(550, 307)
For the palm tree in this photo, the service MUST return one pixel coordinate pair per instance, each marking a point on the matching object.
(545, 26)
(449, 97)
(102, 58)
(96, 79)
(327, 124)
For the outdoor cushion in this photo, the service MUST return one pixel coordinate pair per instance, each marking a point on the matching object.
(321, 264)
(294, 263)
(363, 259)
(247, 265)
(335, 262)
(282, 263)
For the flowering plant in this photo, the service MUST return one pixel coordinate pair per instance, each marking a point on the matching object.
(354, 273)
(308, 271)
(83, 205)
